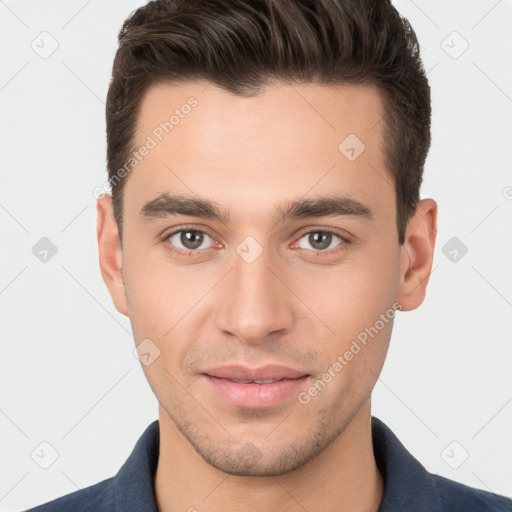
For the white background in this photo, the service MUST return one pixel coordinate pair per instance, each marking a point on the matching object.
(67, 372)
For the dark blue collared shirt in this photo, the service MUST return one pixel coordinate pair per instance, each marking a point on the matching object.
(408, 486)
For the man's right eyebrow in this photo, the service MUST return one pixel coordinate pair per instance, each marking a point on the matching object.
(166, 205)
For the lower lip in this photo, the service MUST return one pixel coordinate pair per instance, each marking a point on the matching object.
(255, 396)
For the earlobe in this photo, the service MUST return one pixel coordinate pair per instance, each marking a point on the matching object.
(110, 253)
(417, 255)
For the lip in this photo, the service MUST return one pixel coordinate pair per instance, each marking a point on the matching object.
(250, 394)
(267, 372)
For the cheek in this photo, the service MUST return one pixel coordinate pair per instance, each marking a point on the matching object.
(156, 290)
(352, 297)
(356, 304)
(164, 304)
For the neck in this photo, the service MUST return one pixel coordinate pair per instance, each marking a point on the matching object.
(344, 477)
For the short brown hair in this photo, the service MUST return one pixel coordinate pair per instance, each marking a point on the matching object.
(242, 45)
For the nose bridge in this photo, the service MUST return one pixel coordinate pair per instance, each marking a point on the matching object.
(255, 304)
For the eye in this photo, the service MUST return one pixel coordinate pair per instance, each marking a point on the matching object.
(191, 242)
(320, 240)
(187, 240)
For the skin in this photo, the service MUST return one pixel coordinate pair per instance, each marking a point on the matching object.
(294, 305)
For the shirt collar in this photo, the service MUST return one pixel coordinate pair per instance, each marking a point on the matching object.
(406, 481)
(133, 484)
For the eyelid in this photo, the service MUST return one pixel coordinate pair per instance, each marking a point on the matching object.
(305, 231)
(318, 229)
(189, 228)
(344, 239)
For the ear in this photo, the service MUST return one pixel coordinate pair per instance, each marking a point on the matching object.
(110, 252)
(417, 254)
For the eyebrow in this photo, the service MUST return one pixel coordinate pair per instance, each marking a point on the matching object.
(166, 205)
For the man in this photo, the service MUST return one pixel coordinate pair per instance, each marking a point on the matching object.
(265, 226)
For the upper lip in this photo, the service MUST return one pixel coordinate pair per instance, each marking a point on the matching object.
(263, 373)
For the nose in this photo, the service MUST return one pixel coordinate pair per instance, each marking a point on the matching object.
(256, 303)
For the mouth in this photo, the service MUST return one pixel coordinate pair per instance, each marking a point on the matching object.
(268, 381)
(255, 388)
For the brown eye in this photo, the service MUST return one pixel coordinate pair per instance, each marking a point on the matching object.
(320, 240)
(187, 239)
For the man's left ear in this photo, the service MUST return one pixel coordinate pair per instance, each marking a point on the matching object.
(417, 254)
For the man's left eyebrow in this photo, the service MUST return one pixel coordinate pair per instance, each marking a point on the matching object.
(330, 206)
(166, 205)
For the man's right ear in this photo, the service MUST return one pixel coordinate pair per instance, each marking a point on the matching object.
(110, 253)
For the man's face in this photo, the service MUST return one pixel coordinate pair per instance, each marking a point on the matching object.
(255, 290)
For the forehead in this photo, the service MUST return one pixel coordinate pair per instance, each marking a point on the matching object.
(285, 141)
(314, 110)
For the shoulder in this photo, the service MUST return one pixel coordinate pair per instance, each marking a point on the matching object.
(98, 498)
(409, 487)
(130, 489)
(459, 497)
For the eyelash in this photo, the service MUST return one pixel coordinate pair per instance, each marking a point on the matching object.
(194, 253)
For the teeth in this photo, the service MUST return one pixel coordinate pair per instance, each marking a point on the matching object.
(269, 381)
